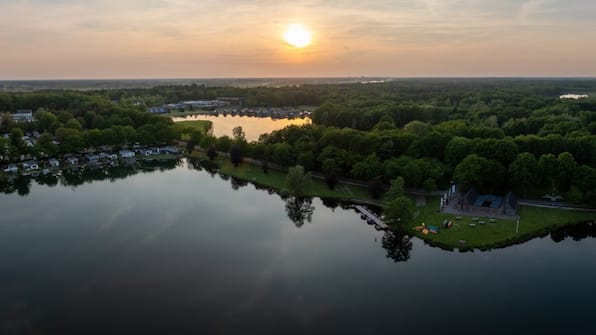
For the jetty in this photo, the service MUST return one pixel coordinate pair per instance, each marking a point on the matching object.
(372, 217)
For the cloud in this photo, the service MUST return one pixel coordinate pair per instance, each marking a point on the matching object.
(231, 35)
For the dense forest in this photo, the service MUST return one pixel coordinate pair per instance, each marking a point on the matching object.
(493, 134)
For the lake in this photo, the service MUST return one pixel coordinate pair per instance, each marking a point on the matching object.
(180, 250)
(252, 126)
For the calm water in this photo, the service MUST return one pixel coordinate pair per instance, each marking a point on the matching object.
(252, 126)
(183, 251)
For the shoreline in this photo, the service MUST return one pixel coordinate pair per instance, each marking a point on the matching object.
(534, 222)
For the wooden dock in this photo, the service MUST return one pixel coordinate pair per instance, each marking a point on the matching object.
(371, 216)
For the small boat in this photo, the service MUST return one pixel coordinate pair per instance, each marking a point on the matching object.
(46, 171)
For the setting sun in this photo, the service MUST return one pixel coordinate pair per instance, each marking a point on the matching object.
(297, 36)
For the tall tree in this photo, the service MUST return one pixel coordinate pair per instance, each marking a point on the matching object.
(524, 172)
(211, 153)
(399, 211)
(235, 155)
(238, 133)
(297, 180)
(549, 168)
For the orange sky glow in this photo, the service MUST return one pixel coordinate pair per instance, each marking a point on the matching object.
(61, 39)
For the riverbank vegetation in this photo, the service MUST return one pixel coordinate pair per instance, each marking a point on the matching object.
(495, 135)
(466, 233)
(277, 180)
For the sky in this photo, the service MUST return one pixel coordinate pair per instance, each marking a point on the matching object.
(96, 39)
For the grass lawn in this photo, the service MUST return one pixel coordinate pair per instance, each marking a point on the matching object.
(277, 179)
(186, 127)
(533, 222)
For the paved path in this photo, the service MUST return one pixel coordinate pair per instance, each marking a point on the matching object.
(548, 204)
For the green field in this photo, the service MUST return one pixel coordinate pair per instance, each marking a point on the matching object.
(533, 222)
(186, 127)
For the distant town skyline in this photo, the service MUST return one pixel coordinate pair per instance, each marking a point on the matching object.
(109, 39)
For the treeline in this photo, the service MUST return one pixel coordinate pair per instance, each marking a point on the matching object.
(516, 108)
(431, 156)
(310, 95)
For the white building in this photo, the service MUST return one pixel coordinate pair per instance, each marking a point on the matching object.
(127, 154)
(23, 115)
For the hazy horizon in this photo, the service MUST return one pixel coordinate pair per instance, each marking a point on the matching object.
(387, 78)
(182, 39)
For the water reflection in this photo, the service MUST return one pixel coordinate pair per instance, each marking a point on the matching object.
(187, 255)
(577, 232)
(299, 210)
(252, 126)
(237, 183)
(398, 246)
(22, 184)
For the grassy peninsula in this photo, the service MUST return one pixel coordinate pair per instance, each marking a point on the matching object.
(465, 234)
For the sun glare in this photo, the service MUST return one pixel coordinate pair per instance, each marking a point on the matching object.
(297, 36)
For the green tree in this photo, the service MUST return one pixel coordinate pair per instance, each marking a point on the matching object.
(282, 154)
(375, 189)
(549, 168)
(307, 160)
(585, 180)
(297, 180)
(190, 146)
(211, 152)
(238, 133)
(417, 128)
(223, 144)
(470, 172)
(16, 137)
(429, 185)
(328, 166)
(93, 138)
(524, 172)
(6, 121)
(396, 190)
(45, 144)
(399, 211)
(235, 155)
(371, 167)
(64, 116)
(44, 119)
(457, 149)
(567, 166)
(331, 180)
